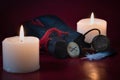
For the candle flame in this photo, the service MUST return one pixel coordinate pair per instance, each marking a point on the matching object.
(21, 33)
(92, 18)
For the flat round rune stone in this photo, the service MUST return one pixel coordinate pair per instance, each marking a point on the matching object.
(73, 49)
(100, 43)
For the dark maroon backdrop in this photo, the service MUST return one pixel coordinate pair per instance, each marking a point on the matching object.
(14, 12)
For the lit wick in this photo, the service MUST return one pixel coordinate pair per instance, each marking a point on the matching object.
(21, 34)
(92, 18)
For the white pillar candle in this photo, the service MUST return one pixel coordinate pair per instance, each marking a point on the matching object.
(87, 24)
(20, 54)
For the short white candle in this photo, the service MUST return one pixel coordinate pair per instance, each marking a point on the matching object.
(20, 54)
(87, 24)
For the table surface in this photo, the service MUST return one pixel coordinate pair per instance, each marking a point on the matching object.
(70, 69)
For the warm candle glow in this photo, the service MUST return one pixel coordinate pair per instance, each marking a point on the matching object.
(16, 50)
(21, 33)
(92, 18)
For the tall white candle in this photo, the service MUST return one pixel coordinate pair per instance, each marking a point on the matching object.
(20, 54)
(87, 24)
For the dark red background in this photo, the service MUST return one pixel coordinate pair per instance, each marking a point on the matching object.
(14, 12)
